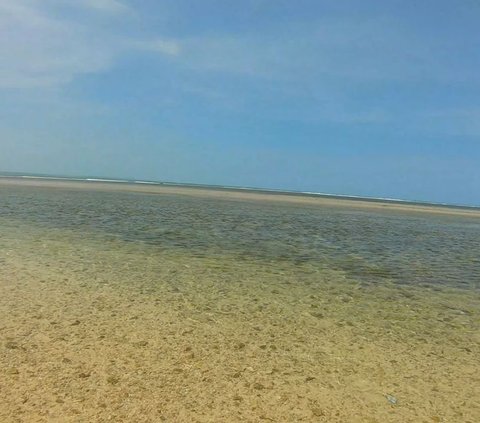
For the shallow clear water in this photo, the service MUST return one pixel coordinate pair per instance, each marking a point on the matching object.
(371, 246)
(118, 306)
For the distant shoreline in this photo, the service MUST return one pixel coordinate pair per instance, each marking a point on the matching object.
(233, 193)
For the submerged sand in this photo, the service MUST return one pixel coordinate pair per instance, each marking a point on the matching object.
(96, 331)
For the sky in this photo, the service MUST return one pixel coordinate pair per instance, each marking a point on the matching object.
(370, 98)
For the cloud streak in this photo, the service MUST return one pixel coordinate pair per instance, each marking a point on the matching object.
(39, 48)
(157, 45)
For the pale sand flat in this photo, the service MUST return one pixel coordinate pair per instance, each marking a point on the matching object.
(240, 195)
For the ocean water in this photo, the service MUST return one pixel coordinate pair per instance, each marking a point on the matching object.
(128, 306)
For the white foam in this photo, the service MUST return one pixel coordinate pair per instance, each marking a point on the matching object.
(147, 182)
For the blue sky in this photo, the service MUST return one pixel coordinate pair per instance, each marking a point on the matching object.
(376, 98)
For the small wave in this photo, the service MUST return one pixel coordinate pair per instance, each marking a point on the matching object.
(147, 183)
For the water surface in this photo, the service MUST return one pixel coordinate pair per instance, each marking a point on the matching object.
(369, 245)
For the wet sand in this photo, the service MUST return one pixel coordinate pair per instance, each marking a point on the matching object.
(98, 330)
(238, 195)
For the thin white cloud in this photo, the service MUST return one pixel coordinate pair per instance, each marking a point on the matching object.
(40, 48)
(158, 45)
